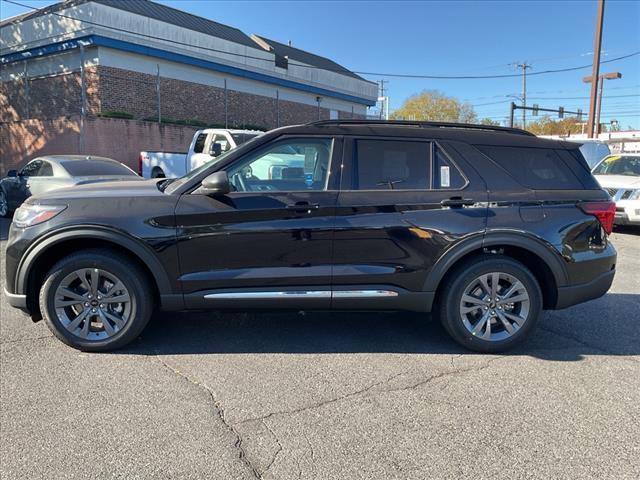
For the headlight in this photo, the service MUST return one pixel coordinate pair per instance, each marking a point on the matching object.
(28, 215)
(635, 195)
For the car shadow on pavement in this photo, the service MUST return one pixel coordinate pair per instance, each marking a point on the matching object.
(595, 328)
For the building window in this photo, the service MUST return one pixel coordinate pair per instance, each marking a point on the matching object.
(282, 61)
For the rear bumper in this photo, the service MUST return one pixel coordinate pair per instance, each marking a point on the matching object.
(15, 300)
(572, 295)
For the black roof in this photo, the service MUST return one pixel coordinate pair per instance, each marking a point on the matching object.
(153, 10)
(467, 133)
(307, 57)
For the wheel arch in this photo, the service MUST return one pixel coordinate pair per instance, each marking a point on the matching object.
(539, 257)
(46, 252)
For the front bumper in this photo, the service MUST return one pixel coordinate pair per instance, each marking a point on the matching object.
(15, 300)
(627, 212)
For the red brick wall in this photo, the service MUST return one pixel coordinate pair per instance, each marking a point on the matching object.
(135, 93)
(49, 97)
(113, 89)
(114, 138)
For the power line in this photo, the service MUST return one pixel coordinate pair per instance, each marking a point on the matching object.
(397, 75)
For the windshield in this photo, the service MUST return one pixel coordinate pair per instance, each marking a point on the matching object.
(619, 165)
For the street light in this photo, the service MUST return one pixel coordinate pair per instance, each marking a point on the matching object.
(601, 78)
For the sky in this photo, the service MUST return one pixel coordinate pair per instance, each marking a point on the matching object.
(453, 38)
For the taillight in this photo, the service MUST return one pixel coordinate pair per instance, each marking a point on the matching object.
(140, 164)
(603, 211)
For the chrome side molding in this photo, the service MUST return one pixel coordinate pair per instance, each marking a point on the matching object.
(285, 294)
(262, 295)
(363, 293)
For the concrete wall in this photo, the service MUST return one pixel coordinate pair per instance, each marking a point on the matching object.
(119, 139)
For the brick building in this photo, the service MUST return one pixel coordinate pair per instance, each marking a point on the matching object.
(136, 58)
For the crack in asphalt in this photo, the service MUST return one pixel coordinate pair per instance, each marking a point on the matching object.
(320, 404)
(438, 376)
(219, 411)
(372, 386)
(279, 447)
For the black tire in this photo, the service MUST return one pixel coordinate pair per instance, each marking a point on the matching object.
(157, 173)
(5, 211)
(448, 308)
(131, 276)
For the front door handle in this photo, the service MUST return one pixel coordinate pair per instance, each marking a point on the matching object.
(457, 202)
(303, 207)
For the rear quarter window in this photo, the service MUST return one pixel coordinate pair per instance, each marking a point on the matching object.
(535, 168)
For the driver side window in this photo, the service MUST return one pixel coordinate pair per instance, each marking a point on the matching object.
(31, 169)
(287, 165)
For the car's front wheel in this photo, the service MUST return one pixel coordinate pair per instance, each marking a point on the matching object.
(4, 204)
(490, 304)
(96, 300)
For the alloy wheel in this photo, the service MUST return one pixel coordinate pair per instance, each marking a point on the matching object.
(494, 306)
(92, 304)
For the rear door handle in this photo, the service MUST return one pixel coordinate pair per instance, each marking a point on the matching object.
(457, 202)
(303, 207)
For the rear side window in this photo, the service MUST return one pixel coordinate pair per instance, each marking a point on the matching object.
(88, 168)
(46, 170)
(199, 145)
(535, 168)
(575, 160)
(391, 165)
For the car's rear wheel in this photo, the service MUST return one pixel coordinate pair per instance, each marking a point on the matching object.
(491, 303)
(96, 300)
(4, 204)
(157, 172)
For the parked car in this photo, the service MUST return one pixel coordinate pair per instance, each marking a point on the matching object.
(483, 226)
(619, 175)
(205, 146)
(44, 174)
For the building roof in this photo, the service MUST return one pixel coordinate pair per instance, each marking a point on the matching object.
(307, 57)
(152, 10)
(189, 21)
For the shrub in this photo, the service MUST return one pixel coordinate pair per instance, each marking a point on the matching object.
(116, 114)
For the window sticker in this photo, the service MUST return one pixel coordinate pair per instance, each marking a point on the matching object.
(445, 176)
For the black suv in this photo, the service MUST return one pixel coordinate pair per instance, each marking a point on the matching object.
(484, 226)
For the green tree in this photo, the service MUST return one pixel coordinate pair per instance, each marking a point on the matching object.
(431, 105)
(549, 126)
(488, 121)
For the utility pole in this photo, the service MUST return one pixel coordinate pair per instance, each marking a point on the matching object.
(601, 78)
(524, 67)
(381, 99)
(595, 73)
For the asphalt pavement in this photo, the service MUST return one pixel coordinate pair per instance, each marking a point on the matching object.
(328, 396)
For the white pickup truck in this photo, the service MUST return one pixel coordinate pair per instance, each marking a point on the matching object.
(206, 145)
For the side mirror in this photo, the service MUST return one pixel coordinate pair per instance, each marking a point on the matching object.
(216, 149)
(216, 184)
(12, 173)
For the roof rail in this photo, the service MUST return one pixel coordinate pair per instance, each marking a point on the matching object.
(411, 123)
